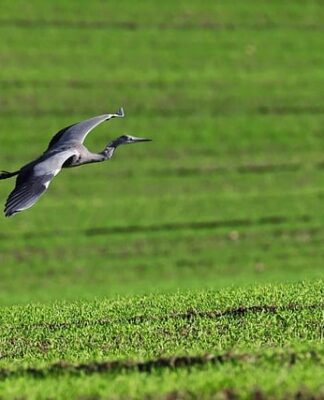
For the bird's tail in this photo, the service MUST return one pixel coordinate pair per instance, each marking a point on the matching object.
(6, 174)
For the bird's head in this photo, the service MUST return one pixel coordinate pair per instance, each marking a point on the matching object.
(128, 139)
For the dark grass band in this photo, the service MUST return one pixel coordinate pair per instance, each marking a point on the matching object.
(63, 368)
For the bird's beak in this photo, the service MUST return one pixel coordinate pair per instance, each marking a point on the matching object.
(138, 139)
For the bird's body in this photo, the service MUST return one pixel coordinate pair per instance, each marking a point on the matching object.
(65, 150)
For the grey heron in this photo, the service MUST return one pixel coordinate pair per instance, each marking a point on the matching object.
(65, 150)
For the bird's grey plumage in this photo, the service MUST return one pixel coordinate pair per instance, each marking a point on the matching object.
(65, 150)
(33, 180)
(77, 133)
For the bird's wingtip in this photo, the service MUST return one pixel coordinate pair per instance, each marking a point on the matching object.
(120, 112)
(9, 212)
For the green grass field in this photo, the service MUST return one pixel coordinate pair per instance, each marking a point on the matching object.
(265, 341)
(188, 267)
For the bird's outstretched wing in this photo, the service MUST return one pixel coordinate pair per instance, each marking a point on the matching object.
(77, 133)
(34, 179)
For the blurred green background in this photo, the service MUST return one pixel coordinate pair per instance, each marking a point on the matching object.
(230, 191)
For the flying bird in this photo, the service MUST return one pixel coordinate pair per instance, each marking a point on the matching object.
(65, 150)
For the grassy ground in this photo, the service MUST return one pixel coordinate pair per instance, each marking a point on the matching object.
(228, 343)
(228, 194)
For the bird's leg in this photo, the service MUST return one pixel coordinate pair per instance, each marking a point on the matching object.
(6, 174)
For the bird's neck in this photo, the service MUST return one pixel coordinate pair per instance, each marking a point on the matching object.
(109, 150)
(114, 143)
